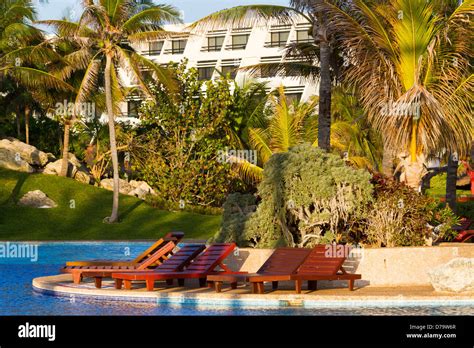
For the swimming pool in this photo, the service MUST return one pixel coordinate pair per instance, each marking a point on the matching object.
(17, 296)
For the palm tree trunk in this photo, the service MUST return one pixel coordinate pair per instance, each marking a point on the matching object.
(18, 123)
(27, 124)
(113, 145)
(65, 159)
(325, 85)
(451, 179)
(387, 161)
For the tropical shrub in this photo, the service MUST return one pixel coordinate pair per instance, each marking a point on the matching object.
(182, 135)
(307, 197)
(400, 216)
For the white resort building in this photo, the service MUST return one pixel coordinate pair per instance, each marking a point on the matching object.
(227, 50)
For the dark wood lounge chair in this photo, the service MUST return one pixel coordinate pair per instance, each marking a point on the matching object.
(176, 237)
(78, 272)
(175, 263)
(279, 267)
(200, 268)
(318, 266)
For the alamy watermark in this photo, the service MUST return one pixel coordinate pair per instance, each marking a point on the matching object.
(19, 251)
(71, 109)
(402, 109)
(237, 156)
(347, 251)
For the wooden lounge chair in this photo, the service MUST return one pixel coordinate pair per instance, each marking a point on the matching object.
(176, 237)
(175, 263)
(318, 266)
(200, 268)
(278, 267)
(157, 257)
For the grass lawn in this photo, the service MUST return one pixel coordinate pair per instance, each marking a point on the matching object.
(84, 222)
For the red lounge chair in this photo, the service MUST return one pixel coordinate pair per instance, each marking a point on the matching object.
(200, 268)
(279, 267)
(320, 267)
(176, 263)
(176, 237)
(156, 258)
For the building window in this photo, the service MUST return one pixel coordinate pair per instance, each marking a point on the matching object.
(230, 70)
(214, 43)
(154, 48)
(293, 97)
(239, 42)
(205, 73)
(132, 108)
(278, 39)
(178, 46)
(303, 36)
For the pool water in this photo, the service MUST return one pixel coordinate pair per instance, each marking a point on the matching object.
(17, 296)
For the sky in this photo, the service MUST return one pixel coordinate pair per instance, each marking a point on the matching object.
(192, 9)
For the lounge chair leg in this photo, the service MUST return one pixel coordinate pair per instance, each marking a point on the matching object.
(169, 282)
(150, 284)
(218, 286)
(181, 282)
(254, 288)
(127, 284)
(298, 284)
(233, 285)
(260, 288)
(118, 284)
(351, 285)
(202, 282)
(98, 282)
(312, 284)
(76, 278)
(274, 285)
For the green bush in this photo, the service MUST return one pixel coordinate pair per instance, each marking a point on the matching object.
(162, 204)
(307, 197)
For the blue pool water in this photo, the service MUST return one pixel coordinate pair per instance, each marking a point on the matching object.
(17, 296)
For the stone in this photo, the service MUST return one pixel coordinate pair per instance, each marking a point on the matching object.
(124, 186)
(455, 276)
(141, 189)
(28, 153)
(36, 199)
(10, 159)
(75, 170)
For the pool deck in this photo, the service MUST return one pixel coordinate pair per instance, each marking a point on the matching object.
(62, 285)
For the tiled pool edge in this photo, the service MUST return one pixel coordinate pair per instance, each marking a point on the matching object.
(249, 301)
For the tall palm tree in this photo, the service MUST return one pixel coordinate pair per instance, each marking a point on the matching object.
(411, 53)
(252, 15)
(105, 33)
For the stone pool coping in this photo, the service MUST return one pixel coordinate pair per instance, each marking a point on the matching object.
(369, 296)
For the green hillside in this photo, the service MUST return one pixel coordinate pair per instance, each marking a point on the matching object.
(84, 221)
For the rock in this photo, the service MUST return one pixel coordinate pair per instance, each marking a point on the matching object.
(75, 169)
(36, 199)
(141, 189)
(124, 186)
(133, 188)
(455, 276)
(28, 153)
(12, 160)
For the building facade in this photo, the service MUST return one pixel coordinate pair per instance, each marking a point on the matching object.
(226, 50)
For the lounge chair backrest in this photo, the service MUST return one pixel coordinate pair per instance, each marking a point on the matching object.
(284, 261)
(319, 263)
(211, 258)
(171, 236)
(181, 258)
(157, 256)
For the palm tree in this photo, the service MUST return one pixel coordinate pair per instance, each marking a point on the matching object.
(410, 62)
(252, 15)
(23, 60)
(105, 32)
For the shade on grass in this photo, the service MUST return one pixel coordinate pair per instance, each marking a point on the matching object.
(84, 221)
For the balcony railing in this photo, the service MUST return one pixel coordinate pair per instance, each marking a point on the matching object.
(152, 52)
(174, 51)
(275, 43)
(236, 47)
(211, 48)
